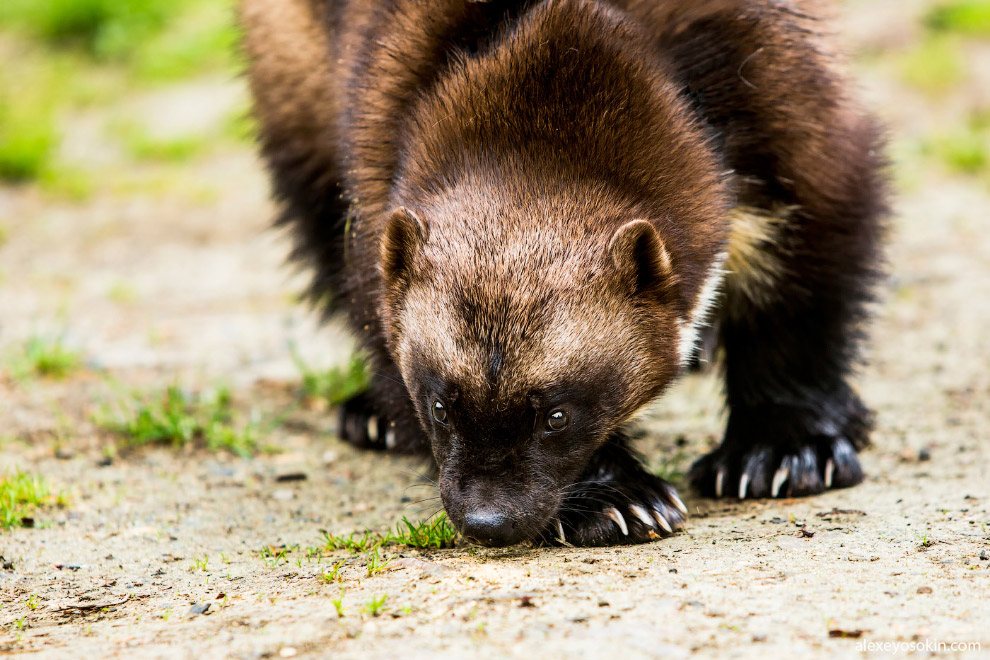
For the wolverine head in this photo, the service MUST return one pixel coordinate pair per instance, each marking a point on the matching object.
(526, 334)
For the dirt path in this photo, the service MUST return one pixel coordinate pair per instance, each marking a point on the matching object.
(163, 288)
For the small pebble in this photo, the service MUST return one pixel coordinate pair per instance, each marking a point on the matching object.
(291, 476)
(925, 454)
(924, 590)
(287, 652)
(283, 495)
(984, 555)
(199, 608)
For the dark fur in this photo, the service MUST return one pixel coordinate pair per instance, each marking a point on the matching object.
(482, 162)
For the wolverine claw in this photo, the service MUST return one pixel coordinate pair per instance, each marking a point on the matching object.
(641, 513)
(779, 478)
(662, 522)
(616, 502)
(676, 501)
(361, 424)
(765, 471)
(652, 513)
(786, 450)
(616, 515)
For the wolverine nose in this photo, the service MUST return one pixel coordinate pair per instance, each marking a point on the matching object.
(489, 528)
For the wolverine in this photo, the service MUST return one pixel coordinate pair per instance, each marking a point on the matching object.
(529, 212)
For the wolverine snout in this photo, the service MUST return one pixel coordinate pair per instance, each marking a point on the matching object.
(496, 514)
(487, 526)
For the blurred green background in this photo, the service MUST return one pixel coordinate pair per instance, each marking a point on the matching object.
(71, 59)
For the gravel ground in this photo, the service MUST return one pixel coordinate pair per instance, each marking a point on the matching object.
(152, 537)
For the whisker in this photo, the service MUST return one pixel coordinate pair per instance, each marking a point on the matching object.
(420, 475)
(425, 499)
(379, 374)
(430, 486)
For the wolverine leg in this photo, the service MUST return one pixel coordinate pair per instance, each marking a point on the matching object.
(791, 325)
(382, 417)
(804, 256)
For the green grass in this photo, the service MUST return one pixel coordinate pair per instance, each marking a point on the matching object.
(273, 555)
(202, 36)
(63, 55)
(156, 39)
(333, 575)
(335, 385)
(377, 562)
(144, 146)
(354, 542)
(432, 534)
(37, 90)
(964, 153)
(22, 495)
(175, 418)
(28, 133)
(240, 126)
(435, 533)
(938, 64)
(673, 467)
(103, 28)
(338, 604)
(26, 144)
(68, 183)
(37, 86)
(967, 17)
(376, 605)
(46, 358)
(964, 149)
(122, 293)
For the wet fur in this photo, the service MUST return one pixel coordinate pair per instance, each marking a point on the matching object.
(586, 115)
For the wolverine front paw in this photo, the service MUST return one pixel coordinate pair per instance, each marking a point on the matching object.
(611, 513)
(360, 425)
(787, 451)
(768, 471)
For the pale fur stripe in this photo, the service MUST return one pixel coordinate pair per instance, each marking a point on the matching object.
(690, 328)
(754, 268)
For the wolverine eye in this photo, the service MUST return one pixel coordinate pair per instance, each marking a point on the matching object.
(557, 421)
(439, 412)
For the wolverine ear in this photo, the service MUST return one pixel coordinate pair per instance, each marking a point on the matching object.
(404, 234)
(641, 259)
